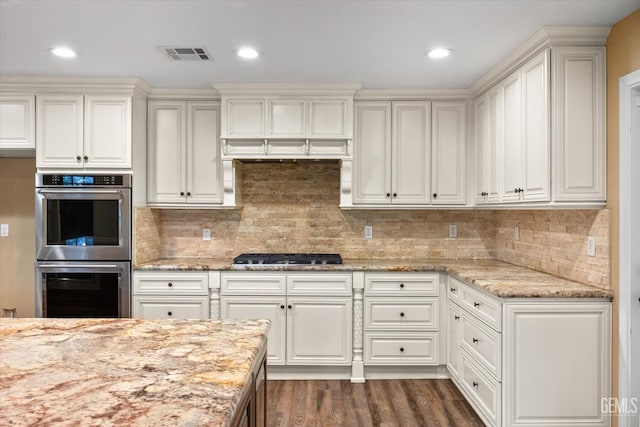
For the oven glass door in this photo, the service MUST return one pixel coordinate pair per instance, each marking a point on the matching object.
(83, 290)
(83, 224)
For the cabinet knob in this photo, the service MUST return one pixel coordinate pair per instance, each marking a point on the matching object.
(475, 384)
(290, 306)
(388, 194)
(182, 193)
(453, 290)
(188, 193)
(402, 285)
(170, 313)
(170, 284)
(78, 158)
(475, 340)
(456, 317)
(86, 157)
(401, 314)
(402, 349)
(435, 195)
(395, 194)
(476, 304)
(282, 306)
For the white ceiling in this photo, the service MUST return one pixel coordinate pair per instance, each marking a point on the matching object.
(379, 43)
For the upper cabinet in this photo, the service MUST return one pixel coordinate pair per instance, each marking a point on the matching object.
(184, 166)
(17, 124)
(83, 131)
(448, 153)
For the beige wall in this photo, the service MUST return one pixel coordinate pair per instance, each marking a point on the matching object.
(17, 251)
(623, 57)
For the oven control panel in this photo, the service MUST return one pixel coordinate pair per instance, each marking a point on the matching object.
(63, 180)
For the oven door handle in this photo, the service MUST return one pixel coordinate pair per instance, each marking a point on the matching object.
(83, 192)
(58, 265)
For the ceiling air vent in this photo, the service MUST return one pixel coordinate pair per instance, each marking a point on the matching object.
(186, 53)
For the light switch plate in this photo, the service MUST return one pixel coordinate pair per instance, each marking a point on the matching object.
(453, 231)
(206, 234)
(591, 246)
(368, 232)
(4, 230)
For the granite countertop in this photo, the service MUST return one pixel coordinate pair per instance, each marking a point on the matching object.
(125, 371)
(495, 277)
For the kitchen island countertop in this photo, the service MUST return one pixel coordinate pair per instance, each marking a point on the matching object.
(498, 278)
(126, 371)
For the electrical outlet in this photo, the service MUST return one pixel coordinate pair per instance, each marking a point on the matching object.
(591, 246)
(206, 234)
(4, 230)
(453, 231)
(368, 232)
(516, 233)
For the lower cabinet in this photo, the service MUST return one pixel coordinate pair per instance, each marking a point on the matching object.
(252, 408)
(170, 295)
(524, 363)
(310, 313)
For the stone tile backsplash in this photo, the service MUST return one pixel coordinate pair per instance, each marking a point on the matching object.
(293, 207)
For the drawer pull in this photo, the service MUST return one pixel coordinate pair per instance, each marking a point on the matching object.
(475, 340)
(476, 304)
(401, 314)
(475, 384)
(282, 306)
(453, 290)
(402, 285)
(170, 284)
(401, 349)
(456, 317)
(170, 314)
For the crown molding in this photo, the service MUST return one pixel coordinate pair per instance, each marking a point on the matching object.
(412, 94)
(277, 89)
(185, 94)
(545, 37)
(44, 84)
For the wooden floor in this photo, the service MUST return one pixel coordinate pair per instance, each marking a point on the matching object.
(401, 403)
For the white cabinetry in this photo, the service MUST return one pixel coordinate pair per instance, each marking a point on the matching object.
(170, 295)
(310, 312)
(523, 363)
(401, 319)
(392, 154)
(83, 131)
(17, 123)
(449, 159)
(184, 167)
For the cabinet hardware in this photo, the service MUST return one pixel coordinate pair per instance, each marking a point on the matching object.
(402, 349)
(475, 340)
(282, 306)
(78, 158)
(454, 290)
(435, 195)
(475, 384)
(170, 313)
(86, 157)
(388, 195)
(290, 306)
(476, 304)
(188, 193)
(182, 193)
(170, 284)
(401, 314)
(402, 285)
(395, 194)
(456, 317)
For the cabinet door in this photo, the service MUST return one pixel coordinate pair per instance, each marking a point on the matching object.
(59, 131)
(411, 153)
(272, 308)
(482, 143)
(286, 118)
(107, 131)
(17, 121)
(319, 331)
(166, 152)
(535, 128)
(494, 154)
(157, 307)
(203, 168)
(511, 134)
(454, 332)
(245, 118)
(579, 137)
(329, 119)
(372, 153)
(449, 160)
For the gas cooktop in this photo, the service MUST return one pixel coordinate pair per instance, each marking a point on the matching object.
(293, 259)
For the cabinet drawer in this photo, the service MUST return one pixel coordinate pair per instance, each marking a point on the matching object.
(401, 313)
(483, 343)
(401, 284)
(482, 306)
(171, 283)
(253, 283)
(485, 392)
(171, 308)
(320, 283)
(408, 348)
(454, 289)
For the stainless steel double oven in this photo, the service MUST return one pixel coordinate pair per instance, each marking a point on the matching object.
(83, 245)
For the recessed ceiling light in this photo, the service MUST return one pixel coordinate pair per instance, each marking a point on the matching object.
(438, 53)
(63, 52)
(248, 53)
